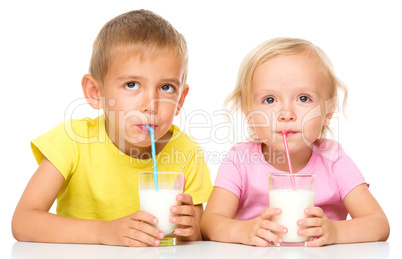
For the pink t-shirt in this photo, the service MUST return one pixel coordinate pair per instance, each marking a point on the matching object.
(244, 172)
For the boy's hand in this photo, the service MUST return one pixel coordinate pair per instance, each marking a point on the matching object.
(186, 216)
(317, 225)
(134, 230)
(259, 231)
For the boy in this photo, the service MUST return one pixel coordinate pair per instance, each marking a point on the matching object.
(138, 77)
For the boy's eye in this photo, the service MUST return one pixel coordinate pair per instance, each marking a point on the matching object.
(167, 88)
(131, 86)
(269, 100)
(304, 99)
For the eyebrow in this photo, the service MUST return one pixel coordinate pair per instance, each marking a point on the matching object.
(268, 91)
(139, 78)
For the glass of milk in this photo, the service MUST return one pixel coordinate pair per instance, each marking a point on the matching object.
(292, 196)
(158, 203)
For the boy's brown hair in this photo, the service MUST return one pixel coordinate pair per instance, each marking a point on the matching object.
(139, 33)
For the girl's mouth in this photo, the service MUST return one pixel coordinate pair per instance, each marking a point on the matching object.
(288, 133)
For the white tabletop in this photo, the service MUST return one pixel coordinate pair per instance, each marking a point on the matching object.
(202, 249)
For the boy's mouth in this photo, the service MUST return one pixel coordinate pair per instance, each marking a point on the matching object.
(143, 128)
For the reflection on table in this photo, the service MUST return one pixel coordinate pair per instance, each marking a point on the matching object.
(198, 249)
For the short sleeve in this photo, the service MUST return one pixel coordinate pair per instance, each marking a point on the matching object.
(59, 146)
(347, 174)
(198, 180)
(228, 176)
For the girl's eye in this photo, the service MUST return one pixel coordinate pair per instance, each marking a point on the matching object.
(132, 86)
(304, 99)
(269, 100)
(167, 88)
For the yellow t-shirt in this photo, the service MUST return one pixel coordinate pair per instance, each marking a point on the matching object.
(101, 182)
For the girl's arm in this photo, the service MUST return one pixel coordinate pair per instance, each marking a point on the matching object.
(33, 222)
(368, 222)
(218, 224)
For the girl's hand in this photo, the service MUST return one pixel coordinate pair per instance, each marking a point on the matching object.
(317, 225)
(259, 231)
(134, 230)
(185, 216)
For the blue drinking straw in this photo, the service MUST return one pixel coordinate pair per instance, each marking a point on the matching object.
(151, 131)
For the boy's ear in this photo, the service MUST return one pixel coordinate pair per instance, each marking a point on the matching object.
(183, 95)
(92, 92)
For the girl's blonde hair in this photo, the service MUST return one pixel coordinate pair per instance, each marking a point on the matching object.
(242, 96)
(139, 33)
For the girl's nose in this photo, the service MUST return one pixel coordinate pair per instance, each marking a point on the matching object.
(287, 114)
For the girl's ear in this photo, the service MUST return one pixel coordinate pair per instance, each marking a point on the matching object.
(92, 91)
(183, 95)
(330, 108)
(328, 119)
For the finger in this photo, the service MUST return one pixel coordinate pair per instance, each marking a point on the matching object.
(269, 212)
(182, 220)
(318, 242)
(134, 243)
(273, 226)
(142, 237)
(144, 216)
(146, 228)
(185, 199)
(183, 210)
(310, 222)
(314, 211)
(261, 242)
(311, 232)
(268, 236)
(184, 231)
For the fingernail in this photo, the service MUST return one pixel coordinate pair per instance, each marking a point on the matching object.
(155, 220)
(157, 242)
(173, 209)
(177, 231)
(300, 232)
(285, 230)
(280, 240)
(179, 197)
(161, 235)
(172, 219)
(299, 222)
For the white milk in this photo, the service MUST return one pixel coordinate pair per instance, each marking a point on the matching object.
(158, 203)
(292, 203)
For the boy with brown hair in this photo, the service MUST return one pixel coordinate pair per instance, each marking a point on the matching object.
(137, 76)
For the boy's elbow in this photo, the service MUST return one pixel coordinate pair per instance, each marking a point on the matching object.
(18, 230)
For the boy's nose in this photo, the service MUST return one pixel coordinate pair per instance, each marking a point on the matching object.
(149, 102)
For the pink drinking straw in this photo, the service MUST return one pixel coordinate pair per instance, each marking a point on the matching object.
(285, 142)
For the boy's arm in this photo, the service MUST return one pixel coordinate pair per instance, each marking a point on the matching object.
(218, 224)
(368, 222)
(33, 222)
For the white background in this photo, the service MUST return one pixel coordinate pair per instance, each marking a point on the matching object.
(45, 47)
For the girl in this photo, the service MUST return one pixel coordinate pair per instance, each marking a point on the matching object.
(288, 84)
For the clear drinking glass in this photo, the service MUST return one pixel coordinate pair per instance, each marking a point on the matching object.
(158, 203)
(292, 196)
